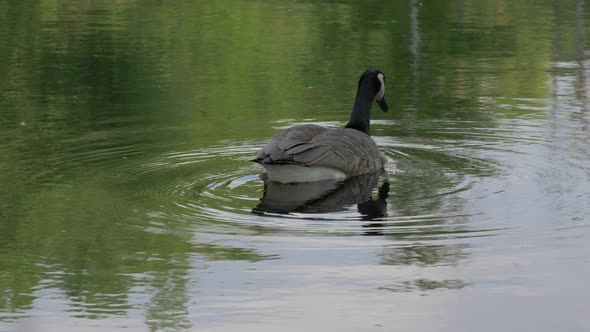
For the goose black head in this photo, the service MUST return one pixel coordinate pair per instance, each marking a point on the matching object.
(376, 79)
(371, 87)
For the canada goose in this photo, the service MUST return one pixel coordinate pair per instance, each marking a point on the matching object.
(309, 153)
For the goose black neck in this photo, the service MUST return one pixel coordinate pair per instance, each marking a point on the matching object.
(361, 112)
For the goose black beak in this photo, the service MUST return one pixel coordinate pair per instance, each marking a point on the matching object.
(381, 102)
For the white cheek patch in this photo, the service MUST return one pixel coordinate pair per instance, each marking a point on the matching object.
(381, 92)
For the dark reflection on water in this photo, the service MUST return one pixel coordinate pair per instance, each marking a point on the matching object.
(126, 195)
(424, 255)
(329, 197)
(324, 196)
(424, 285)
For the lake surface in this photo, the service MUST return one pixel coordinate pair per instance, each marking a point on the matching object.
(128, 201)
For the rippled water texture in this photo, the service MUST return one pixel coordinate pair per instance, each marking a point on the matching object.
(128, 199)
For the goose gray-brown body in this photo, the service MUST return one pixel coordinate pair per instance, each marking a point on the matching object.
(307, 153)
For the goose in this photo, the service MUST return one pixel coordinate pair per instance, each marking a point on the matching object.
(310, 153)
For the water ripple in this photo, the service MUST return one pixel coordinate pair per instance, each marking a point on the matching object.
(220, 191)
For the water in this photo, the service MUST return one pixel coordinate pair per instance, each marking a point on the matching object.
(128, 201)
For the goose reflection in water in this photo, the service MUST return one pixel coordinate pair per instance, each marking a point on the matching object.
(326, 196)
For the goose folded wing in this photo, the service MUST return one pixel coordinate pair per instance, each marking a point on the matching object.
(278, 150)
(347, 150)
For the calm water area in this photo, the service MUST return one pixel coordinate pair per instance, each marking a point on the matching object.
(128, 200)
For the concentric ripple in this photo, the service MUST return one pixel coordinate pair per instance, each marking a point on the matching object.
(219, 190)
